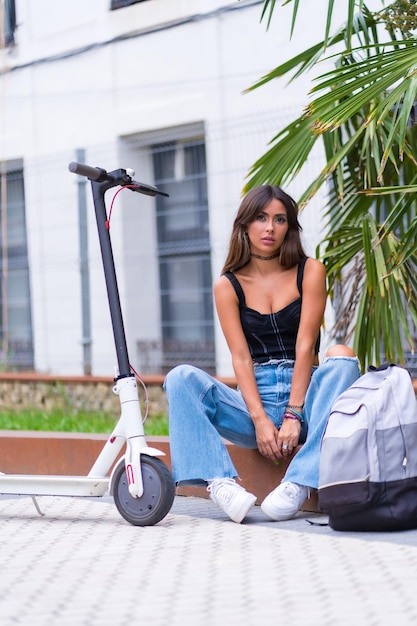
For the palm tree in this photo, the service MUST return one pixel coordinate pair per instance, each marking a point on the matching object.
(364, 113)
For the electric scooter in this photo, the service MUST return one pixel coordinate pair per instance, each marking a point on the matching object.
(140, 482)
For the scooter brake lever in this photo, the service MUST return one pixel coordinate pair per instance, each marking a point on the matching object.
(147, 190)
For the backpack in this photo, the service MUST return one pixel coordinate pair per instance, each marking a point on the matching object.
(368, 462)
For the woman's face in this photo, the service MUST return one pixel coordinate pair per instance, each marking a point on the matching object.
(267, 231)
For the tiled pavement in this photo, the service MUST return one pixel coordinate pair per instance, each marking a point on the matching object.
(82, 564)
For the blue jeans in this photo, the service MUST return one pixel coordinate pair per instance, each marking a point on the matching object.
(204, 411)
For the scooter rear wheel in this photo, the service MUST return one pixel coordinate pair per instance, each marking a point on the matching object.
(157, 498)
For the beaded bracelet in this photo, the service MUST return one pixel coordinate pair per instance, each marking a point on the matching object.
(295, 406)
(291, 416)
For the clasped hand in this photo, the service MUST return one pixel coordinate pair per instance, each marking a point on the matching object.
(277, 444)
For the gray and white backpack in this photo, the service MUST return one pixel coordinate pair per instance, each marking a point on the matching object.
(368, 463)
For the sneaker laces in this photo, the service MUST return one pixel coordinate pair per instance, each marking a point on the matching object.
(293, 490)
(220, 488)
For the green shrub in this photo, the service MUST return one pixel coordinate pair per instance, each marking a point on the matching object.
(60, 420)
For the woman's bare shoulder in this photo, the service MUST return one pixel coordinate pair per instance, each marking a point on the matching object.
(221, 281)
(223, 286)
(314, 267)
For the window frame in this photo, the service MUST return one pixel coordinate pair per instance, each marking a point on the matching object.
(192, 247)
(15, 297)
(8, 23)
(121, 4)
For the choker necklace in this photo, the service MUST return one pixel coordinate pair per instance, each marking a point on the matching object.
(265, 258)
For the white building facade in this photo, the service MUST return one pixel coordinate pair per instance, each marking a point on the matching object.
(156, 86)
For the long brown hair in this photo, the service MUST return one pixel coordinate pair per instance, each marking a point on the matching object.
(291, 251)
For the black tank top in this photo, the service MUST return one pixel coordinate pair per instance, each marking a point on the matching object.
(271, 335)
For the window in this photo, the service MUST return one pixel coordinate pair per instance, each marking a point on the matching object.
(16, 344)
(7, 22)
(119, 4)
(184, 254)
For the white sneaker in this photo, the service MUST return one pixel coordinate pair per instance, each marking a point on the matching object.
(233, 499)
(284, 502)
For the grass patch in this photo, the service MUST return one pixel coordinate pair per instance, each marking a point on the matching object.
(60, 420)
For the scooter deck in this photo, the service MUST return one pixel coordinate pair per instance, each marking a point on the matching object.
(21, 484)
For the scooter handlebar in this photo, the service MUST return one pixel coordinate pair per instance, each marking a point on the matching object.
(93, 173)
(118, 177)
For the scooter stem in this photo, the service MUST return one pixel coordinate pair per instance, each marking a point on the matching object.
(99, 189)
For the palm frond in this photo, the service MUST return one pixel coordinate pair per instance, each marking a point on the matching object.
(362, 111)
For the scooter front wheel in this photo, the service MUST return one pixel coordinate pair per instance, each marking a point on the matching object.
(158, 493)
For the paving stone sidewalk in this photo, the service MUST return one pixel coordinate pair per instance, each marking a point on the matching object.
(81, 564)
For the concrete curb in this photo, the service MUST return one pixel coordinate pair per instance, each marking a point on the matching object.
(73, 454)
